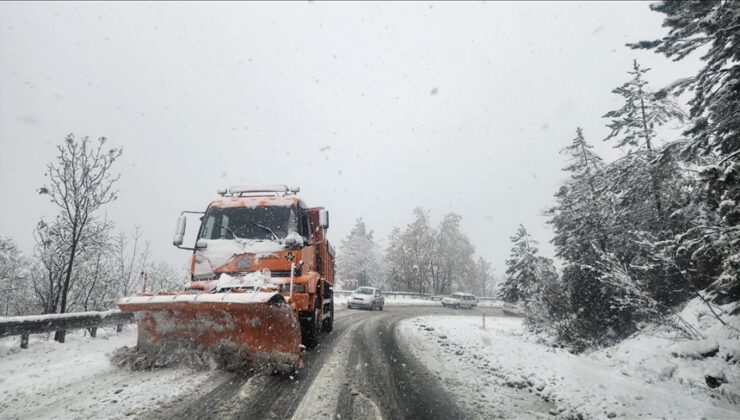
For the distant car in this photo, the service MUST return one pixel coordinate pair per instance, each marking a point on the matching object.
(366, 297)
(511, 309)
(460, 300)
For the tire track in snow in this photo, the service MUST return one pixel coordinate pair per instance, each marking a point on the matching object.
(322, 397)
(388, 382)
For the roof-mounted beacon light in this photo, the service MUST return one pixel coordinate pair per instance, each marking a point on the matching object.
(258, 189)
(295, 189)
(222, 191)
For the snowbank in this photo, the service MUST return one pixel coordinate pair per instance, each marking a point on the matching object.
(77, 379)
(708, 363)
(476, 364)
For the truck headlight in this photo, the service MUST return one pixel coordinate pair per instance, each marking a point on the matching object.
(206, 276)
(297, 288)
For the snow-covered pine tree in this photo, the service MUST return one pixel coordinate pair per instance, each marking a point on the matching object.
(526, 270)
(715, 118)
(635, 123)
(648, 189)
(360, 257)
(579, 218)
(598, 212)
(531, 280)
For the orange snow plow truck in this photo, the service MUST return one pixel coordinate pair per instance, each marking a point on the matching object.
(262, 275)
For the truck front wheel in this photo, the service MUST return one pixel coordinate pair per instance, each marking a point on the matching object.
(328, 323)
(310, 327)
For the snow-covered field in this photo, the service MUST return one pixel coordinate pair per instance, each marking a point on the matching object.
(646, 376)
(77, 380)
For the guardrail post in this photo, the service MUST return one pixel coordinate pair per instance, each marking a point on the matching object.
(93, 332)
(119, 327)
(24, 341)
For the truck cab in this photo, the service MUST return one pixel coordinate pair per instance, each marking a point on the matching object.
(266, 238)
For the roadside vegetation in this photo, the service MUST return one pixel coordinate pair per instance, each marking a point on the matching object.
(642, 235)
(80, 261)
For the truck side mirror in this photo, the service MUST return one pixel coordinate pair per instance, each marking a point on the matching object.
(179, 230)
(324, 219)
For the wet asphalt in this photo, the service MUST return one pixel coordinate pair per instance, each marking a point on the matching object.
(379, 378)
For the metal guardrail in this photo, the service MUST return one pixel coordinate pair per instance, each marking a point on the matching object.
(391, 294)
(36, 324)
(413, 295)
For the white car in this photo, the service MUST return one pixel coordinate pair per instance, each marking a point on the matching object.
(366, 297)
(460, 300)
(511, 309)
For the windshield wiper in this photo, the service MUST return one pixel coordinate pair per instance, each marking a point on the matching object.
(263, 227)
(227, 229)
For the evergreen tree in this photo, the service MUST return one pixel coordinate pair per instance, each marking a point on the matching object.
(648, 190)
(580, 217)
(713, 134)
(526, 270)
(600, 213)
(634, 125)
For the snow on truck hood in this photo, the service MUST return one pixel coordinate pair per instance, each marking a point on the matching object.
(219, 251)
(256, 280)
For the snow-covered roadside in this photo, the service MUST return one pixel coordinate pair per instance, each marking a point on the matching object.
(472, 363)
(77, 380)
(661, 354)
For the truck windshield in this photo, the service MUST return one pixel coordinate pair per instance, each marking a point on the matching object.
(248, 223)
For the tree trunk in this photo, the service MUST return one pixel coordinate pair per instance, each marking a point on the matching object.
(60, 335)
(653, 179)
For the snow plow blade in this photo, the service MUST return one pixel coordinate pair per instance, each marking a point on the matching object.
(238, 330)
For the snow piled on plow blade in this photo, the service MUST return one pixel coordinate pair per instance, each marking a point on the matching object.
(232, 331)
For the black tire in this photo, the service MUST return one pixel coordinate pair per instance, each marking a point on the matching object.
(328, 323)
(310, 328)
(444, 305)
(381, 307)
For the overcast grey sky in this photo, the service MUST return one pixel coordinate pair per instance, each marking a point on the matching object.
(372, 108)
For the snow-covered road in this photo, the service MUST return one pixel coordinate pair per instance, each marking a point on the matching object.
(422, 362)
(358, 371)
